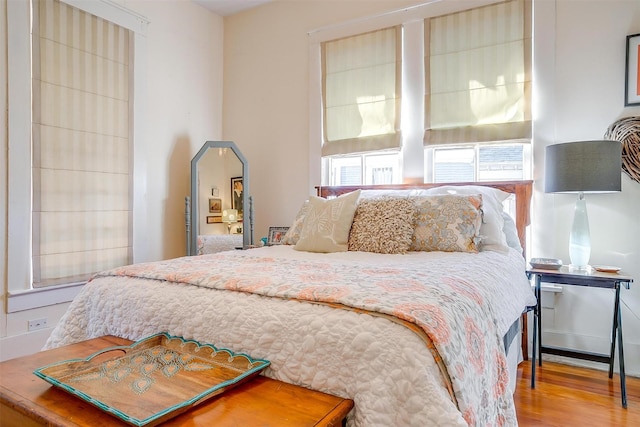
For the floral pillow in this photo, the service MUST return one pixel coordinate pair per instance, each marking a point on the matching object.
(447, 223)
(383, 225)
(492, 237)
(327, 223)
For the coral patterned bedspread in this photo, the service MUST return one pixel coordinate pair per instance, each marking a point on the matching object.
(464, 303)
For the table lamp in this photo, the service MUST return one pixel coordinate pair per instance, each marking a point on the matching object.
(582, 167)
(229, 216)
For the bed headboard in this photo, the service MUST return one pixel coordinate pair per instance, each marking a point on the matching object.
(521, 189)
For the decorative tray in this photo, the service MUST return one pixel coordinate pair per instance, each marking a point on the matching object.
(153, 379)
(546, 263)
(606, 268)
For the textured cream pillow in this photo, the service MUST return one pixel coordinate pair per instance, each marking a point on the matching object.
(449, 223)
(293, 233)
(383, 225)
(327, 223)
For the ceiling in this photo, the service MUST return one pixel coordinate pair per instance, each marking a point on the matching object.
(229, 7)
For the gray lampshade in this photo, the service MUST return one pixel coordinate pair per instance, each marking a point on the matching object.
(584, 166)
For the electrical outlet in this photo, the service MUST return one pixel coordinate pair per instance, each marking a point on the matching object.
(36, 324)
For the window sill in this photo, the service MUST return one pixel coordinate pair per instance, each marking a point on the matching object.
(36, 298)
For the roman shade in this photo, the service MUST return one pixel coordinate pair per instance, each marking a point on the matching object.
(361, 78)
(478, 75)
(82, 177)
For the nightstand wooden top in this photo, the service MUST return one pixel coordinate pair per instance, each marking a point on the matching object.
(589, 277)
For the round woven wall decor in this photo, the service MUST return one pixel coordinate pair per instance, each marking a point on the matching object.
(627, 131)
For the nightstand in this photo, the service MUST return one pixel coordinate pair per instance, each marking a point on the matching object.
(594, 279)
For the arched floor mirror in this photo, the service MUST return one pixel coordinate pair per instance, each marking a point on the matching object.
(219, 208)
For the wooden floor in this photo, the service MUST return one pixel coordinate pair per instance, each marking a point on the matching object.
(568, 396)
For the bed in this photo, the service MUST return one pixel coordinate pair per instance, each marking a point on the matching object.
(414, 336)
(213, 243)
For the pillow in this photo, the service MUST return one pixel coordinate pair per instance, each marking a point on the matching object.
(492, 237)
(511, 232)
(447, 223)
(327, 223)
(292, 235)
(383, 225)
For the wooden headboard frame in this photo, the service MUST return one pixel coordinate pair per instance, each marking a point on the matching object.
(521, 189)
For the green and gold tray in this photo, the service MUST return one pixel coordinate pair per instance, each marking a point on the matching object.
(153, 379)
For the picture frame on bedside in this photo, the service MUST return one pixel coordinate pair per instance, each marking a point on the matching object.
(276, 234)
(632, 71)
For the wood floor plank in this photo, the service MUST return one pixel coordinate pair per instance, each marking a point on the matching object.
(572, 396)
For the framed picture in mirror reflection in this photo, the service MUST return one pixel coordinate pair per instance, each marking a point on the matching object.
(214, 219)
(215, 206)
(237, 192)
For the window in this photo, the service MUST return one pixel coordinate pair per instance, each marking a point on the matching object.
(361, 99)
(24, 204)
(363, 169)
(478, 80)
(478, 163)
(474, 69)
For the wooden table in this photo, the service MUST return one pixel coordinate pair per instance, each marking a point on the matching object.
(26, 400)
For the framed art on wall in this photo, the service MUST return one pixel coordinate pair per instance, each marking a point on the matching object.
(632, 71)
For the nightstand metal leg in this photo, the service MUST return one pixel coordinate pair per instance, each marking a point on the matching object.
(539, 320)
(534, 347)
(623, 382)
(614, 329)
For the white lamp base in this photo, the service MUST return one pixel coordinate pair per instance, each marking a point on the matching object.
(579, 239)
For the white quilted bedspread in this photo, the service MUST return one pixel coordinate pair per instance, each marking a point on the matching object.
(382, 365)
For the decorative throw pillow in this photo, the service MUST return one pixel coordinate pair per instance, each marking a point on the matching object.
(293, 233)
(492, 237)
(448, 223)
(383, 225)
(326, 226)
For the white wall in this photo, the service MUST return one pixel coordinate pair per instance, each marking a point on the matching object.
(579, 87)
(183, 110)
(580, 67)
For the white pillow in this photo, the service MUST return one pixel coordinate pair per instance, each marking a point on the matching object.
(327, 223)
(492, 237)
(511, 232)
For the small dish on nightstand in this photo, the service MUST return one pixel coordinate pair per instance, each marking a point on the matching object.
(606, 268)
(546, 263)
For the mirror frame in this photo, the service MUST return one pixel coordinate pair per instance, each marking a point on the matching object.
(247, 220)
